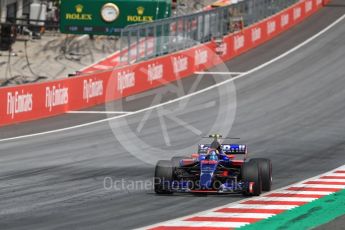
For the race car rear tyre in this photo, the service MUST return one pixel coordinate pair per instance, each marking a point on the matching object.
(251, 173)
(163, 177)
(265, 166)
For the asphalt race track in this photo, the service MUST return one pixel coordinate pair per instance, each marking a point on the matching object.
(292, 111)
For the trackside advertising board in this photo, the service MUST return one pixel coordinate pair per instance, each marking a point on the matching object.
(40, 100)
(109, 17)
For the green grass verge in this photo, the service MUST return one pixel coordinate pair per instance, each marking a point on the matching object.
(307, 216)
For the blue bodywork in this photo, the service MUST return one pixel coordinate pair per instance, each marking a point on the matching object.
(207, 170)
(208, 163)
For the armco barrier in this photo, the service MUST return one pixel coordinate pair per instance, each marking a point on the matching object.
(36, 101)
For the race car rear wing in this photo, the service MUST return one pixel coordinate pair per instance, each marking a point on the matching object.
(227, 148)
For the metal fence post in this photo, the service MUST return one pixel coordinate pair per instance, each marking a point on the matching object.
(138, 46)
(203, 28)
(128, 46)
(144, 31)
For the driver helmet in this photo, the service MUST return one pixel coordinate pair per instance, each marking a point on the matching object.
(213, 155)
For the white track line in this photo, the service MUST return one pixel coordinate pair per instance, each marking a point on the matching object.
(309, 40)
(304, 192)
(331, 180)
(302, 199)
(233, 214)
(208, 224)
(320, 186)
(260, 206)
(220, 73)
(98, 112)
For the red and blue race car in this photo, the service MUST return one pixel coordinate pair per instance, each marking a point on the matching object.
(216, 168)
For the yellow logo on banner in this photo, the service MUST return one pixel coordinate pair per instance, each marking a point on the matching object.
(140, 10)
(79, 8)
(140, 17)
(79, 16)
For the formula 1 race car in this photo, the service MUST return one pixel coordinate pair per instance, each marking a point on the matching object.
(214, 169)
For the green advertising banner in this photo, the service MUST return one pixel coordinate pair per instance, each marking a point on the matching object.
(102, 17)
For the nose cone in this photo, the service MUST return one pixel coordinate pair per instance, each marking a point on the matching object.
(207, 169)
(206, 180)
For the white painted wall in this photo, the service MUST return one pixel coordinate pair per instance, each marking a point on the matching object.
(3, 10)
(4, 3)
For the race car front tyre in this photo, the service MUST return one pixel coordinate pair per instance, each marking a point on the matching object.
(175, 161)
(265, 166)
(163, 177)
(251, 173)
